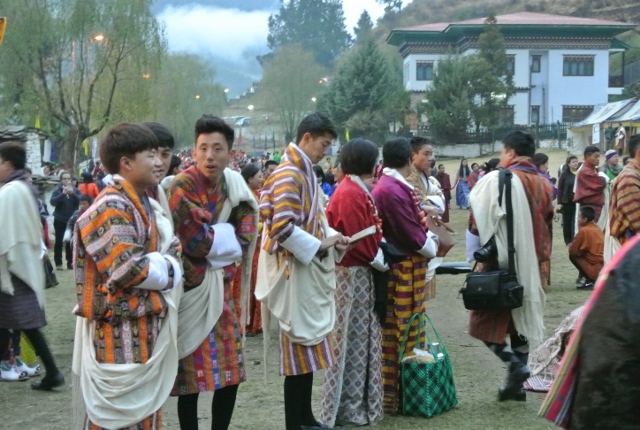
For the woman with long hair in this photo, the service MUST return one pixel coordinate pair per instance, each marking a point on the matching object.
(462, 184)
(566, 205)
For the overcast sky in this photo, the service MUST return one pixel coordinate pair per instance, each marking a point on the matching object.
(232, 38)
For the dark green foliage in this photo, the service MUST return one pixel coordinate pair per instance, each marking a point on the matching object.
(365, 94)
(316, 25)
(364, 27)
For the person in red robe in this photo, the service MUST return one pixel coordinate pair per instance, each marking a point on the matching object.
(586, 250)
(445, 184)
(474, 176)
(591, 184)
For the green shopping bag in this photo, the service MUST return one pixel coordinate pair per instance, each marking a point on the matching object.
(427, 388)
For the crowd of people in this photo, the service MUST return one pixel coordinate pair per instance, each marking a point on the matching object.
(178, 256)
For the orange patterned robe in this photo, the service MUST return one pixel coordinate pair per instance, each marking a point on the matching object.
(111, 241)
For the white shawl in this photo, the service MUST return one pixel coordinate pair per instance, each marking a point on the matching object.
(121, 395)
(21, 243)
(491, 220)
(201, 307)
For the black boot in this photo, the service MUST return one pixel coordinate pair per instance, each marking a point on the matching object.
(48, 382)
(518, 374)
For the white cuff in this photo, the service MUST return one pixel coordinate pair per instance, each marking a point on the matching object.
(378, 262)
(438, 203)
(67, 236)
(302, 245)
(430, 247)
(177, 271)
(158, 275)
(473, 244)
(43, 250)
(604, 175)
(225, 249)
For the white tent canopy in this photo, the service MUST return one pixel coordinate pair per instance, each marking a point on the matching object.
(581, 134)
(631, 114)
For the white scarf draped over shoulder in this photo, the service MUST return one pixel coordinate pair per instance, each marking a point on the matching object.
(121, 395)
(201, 307)
(491, 220)
(21, 246)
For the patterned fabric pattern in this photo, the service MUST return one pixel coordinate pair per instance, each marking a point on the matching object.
(110, 243)
(196, 204)
(624, 208)
(405, 298)
(289, 199)
(493, 326)
(428, 388)
(353, 387)
(296, 359)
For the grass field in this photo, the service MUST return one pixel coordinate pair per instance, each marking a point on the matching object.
(478, 373)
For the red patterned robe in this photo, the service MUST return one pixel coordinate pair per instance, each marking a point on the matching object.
(493, 326)
(195, 204)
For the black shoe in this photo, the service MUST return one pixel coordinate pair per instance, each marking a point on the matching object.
(586, 285)
(48, 382)
(515, 395)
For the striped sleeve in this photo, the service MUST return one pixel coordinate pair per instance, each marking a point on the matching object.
(286, 203)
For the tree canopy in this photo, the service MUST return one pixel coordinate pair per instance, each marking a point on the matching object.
(364, 27)
(292, 82)
(316, 25)
(366, 93)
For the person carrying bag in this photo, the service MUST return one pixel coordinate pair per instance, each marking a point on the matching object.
(499, 289)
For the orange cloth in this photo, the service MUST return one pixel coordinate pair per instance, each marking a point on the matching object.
(587, 250)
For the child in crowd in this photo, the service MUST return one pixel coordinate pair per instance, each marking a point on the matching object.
(586, 250)
(83, 204)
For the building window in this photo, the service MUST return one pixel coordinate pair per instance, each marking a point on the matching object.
(424, 71)
(578, 65)
(573, 114)
(511, 64)
(535, 63)
(506, 117)
(535, 114)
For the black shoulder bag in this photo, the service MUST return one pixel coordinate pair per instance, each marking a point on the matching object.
(496, 290)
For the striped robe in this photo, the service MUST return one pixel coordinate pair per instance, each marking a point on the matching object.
(624, 208)
(111, 241)
(493, 326)
(195, 204)
(286, 202)
(406, 289)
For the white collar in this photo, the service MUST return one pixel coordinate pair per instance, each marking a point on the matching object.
(396, 175)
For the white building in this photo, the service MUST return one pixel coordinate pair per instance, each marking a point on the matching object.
(560, 64)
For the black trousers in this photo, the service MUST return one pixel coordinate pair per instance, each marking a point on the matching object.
(568, 222)
(60, 227)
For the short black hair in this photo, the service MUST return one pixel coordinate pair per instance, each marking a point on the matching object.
(163, 134)
(569, 158)
(590, 150)
(396, 152)
(317, 125)
(269, 163)
(539, 159)
(87, 178)
(588, 212)
(417, 142)
(634, 145)
(125, 140)
(175, 162)
(521, 142)
(208, 124)
(319, 172)
(440, 165)
(249, 171)
(86, 198)
(474, 164)
(358, 157)
(15, 153)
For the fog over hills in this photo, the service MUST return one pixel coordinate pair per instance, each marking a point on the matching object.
(232, 34)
